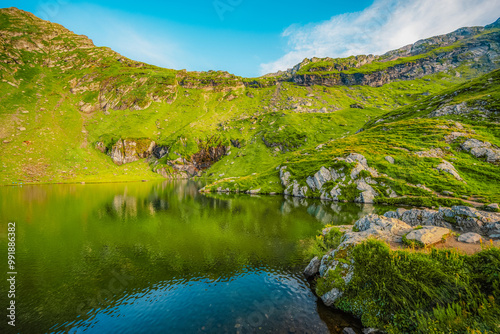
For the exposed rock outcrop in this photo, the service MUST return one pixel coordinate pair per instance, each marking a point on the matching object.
(391, 230)
(427, 235)
(459, 109)
(460, 218)
(130, 150)
(313, 267)
(481, 149)
(432, 153)
(447, 167)
(377, 227)
(407, 70)
(347, 178)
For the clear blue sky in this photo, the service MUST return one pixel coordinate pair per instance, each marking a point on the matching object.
(245, 37)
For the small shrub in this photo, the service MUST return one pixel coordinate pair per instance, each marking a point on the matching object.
(412, 292)
(324, 243)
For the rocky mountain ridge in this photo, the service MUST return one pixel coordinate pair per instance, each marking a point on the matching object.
(420, 47)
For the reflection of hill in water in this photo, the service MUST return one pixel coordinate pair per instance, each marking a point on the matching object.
(326, 212)
(79, 235)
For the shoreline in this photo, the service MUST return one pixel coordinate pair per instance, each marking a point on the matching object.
(382, 250)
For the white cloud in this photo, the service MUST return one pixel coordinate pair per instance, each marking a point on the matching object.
(384, 26)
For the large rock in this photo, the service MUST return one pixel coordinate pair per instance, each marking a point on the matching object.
(377, 227)
(470, 238)
(285, 177)
(160, 151)
(482, 149)
(361, 165)
(428, 235)
(342, 175)
(493, 206)
(460, 218)
(447, 167)
(368, 194)
(454, 136)
(299, 191)
(130, 150)
(414, 217)
(313, 267)
(457, 109)
(331, 296)
(336, 193)
(321, 177)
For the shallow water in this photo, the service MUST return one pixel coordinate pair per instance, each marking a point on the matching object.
(159, 257)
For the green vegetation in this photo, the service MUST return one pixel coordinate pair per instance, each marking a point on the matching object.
(59, 104)
(428, 202)
(93, 95)
(324, 243)
(413, 292)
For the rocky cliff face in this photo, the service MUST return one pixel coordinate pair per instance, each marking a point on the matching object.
(478, 47)
(51, 45)
(182, 168)
(130, 150)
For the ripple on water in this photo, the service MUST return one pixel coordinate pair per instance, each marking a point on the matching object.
(193, 263)
(267, 301)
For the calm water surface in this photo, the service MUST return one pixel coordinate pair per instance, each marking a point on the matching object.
(159, 257)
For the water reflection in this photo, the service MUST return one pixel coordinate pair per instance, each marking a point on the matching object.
(184, 261)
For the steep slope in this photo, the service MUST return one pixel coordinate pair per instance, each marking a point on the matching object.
(474, 102)
(72, 112)
(432, 152)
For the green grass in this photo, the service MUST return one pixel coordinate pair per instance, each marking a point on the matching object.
(438, 292)
(180, 109)
(323, 243)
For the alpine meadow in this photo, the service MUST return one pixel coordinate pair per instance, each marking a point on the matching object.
(380, 173)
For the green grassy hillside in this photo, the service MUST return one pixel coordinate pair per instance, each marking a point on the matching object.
(417, 142)
(62, 98)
